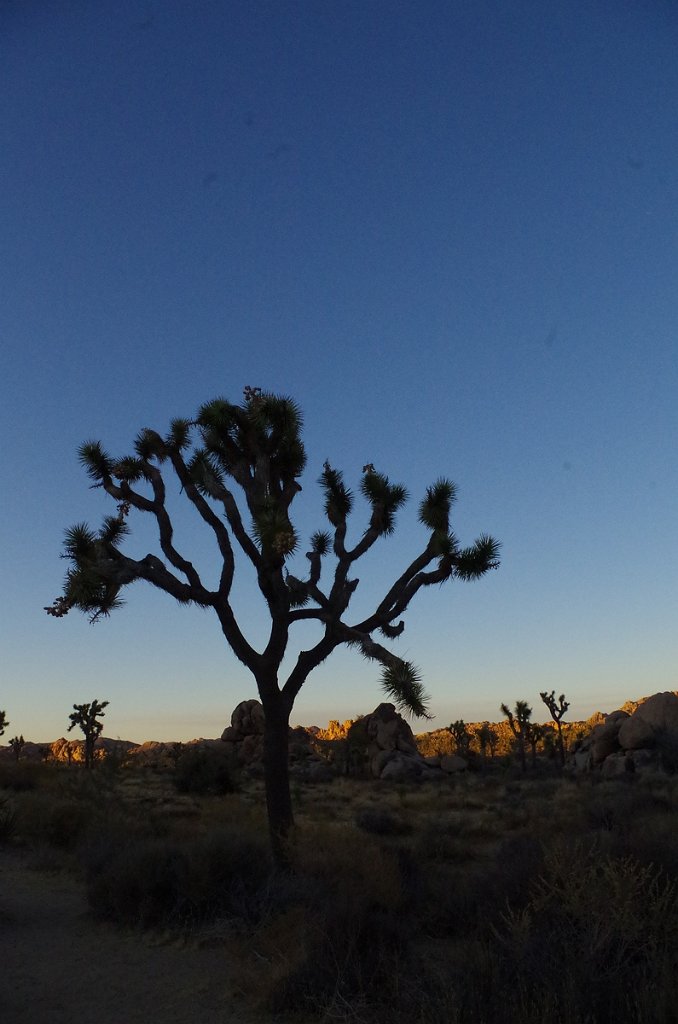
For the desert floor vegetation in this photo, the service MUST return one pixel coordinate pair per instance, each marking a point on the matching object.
(489, 898)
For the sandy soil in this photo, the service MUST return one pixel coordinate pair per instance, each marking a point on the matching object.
(58, 965)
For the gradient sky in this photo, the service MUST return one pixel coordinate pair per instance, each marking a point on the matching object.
(447, 229)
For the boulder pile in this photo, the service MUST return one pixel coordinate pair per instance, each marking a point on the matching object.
(384, 744)
(628, 742)
(245, 738)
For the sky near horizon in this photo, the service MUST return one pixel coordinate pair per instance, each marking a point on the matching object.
(447, 229)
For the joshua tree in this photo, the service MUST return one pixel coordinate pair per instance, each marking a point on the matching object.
(487, 739)
(534, 734)
(519, 720)
(17, 744)
(461, 736)
(257, 446)
(86, 717)
(557, 710)
(3, 722)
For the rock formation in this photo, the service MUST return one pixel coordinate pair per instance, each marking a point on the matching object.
(645, 736)
(384, 744)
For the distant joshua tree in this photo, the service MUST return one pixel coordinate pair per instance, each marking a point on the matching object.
(461, 736)
(17, 745)
(3, 721)
(519, 720)
(488, 739)
(534, 734)
(85, 716)
(557, 709)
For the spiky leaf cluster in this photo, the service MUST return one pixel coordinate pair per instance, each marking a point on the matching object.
(148, 445)
(92, 584)
(434, 509)
(321, 542)
(338, 497)
(401, 681)
(273, 530)
(267, 427)
(384, 497)
(179, 437)
(97, 462)
(475, 561)
(205, 473)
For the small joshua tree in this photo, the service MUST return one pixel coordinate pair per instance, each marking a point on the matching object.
(3, 721)
(557, 709)
(17, 745)
(86, 717)
(518, 720)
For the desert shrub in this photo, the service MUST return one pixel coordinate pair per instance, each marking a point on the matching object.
(7, 820)
(149, 882)
(380, 821)
(52, 820)
(204, 770)
(353, 934)
(595, 930)
(21, 776)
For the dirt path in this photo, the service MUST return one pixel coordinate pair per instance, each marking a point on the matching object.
(58, 965)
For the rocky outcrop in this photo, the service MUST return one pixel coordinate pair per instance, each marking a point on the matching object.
(384, 744)
(245, 734)
(245, 739)
(642, 735)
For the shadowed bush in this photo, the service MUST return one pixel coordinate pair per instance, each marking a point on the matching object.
(204, 771)
(154, 882)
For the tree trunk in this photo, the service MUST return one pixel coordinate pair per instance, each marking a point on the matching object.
(561, 744)
(521, 751)
(277, 777)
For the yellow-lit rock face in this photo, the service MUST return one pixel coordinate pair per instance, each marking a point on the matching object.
(335, 730)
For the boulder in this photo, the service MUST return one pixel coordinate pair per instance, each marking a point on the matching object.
(616, 765)
(660, 711)
(385, 742)
(400, 767)
(636, 733)
(248, 718)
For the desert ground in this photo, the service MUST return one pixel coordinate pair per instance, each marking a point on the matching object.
(503, 893)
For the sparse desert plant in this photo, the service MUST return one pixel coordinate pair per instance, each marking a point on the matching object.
(4, 723)
(86, 717)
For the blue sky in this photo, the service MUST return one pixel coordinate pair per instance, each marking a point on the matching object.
(447, 229)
